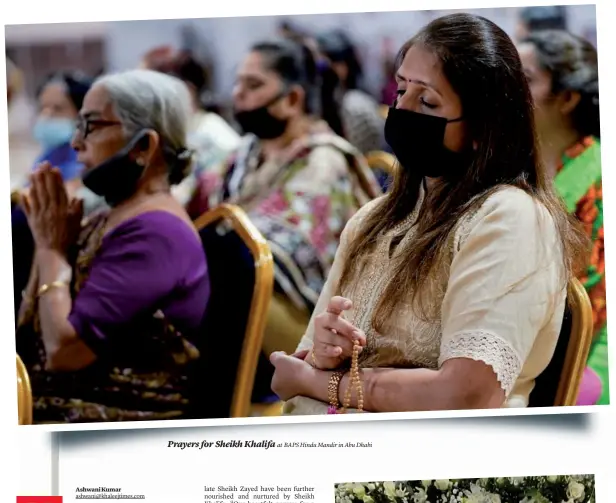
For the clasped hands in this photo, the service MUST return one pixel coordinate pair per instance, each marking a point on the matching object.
(53, 217)
(333, 342)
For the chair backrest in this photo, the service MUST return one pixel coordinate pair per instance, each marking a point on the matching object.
(241, 273)
(383, 164)
(384, 111)
(559, 383)
(24, 394)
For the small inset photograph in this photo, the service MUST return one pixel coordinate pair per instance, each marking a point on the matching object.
(536, 489)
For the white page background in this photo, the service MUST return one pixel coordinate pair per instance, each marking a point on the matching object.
(139, 462)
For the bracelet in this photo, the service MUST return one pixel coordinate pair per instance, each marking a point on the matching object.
(49, 286)
(332, 391)
(313, 359)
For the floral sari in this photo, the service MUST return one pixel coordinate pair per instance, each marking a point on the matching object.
(579, 183)
(300, 202)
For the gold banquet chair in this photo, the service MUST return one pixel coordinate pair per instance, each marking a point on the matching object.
(241, 272)
(380, 160)
(559, 383)
(15, 197)
(384, 111)
(24, 394)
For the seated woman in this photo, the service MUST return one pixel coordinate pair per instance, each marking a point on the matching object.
(362, 123)
(298, 181)
(60, 99)
(450, 290)
(535, 19)
(110, 317)
(209, 136)
(563, 79)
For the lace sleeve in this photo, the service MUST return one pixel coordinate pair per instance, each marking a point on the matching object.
(505, 280)
(488, 348)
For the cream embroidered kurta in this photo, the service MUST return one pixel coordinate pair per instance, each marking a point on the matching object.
(502, 301)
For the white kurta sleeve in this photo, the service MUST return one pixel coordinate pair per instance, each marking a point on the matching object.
(506, 278)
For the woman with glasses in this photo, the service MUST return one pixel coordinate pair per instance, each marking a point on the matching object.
(108, 320)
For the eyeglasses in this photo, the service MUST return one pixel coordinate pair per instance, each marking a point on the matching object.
(86, 126)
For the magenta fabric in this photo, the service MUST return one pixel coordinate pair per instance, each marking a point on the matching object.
(590, 388)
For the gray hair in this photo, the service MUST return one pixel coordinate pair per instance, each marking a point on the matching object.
(145, 99)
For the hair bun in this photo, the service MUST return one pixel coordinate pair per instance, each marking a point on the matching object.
(181, 166)
(184, 154)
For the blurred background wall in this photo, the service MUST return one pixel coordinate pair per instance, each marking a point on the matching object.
(100, 47)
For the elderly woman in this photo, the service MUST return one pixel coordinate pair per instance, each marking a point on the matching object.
(109, 320)
(448, 292)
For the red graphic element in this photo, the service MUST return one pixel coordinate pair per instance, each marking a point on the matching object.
(39, 499)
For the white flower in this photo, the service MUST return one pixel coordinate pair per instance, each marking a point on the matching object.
(575, 491)
(420, 496)
(552, 479)
(390, 490)
(479, 495)
(359, 490)
(442, 484)
(426, 483)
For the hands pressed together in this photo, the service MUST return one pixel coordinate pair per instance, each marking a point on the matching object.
(332, 346)
(54, 218)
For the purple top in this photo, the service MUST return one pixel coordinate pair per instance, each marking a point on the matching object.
(152, 262)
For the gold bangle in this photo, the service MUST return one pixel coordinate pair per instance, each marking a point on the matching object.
(333, 388)
(49, 286)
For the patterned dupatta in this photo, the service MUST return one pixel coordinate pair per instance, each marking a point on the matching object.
(296, 203)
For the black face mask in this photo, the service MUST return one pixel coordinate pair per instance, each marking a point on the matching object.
(261, 122)
(417, 142)
(116, 178)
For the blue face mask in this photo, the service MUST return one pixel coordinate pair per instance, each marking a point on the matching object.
(53, 132)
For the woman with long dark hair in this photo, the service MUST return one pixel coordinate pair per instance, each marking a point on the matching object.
(564, 81)
(449, 291)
